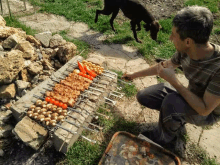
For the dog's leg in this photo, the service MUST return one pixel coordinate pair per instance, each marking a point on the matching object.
(114, 14)
(139, 26)
(105, 11)
(133, 24)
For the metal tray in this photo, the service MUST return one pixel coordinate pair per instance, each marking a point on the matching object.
(127, 149)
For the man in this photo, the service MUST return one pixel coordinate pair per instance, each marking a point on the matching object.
(198, 104)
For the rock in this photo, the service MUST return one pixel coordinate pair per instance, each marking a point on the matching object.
(33, 40)
(24, 75)
(10, 42)
(34, 68)
(66, 52)
(1, 48)
(26, 48)
(44, 38)
(5, 115)
(5, 31)
(2, 153)
(21, 85)
(30, 132)
(2, 21)
(5, 130)
(56, 41)
(35, 79)
(47, 65)
(24, 92)
(57, 64)
(7, 91)
(11, 65)
(27, 63)
(50, 52)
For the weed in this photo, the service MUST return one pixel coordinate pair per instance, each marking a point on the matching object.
(211, 4)
(160, 80)
(129, 90)
(13, 22)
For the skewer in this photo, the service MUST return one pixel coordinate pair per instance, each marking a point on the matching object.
(77, 125)
(113, 102)
(93, 141)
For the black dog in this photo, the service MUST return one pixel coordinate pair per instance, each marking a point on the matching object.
(135, 11)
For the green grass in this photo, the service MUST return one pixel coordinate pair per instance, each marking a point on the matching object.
(13, 22)
(213, 5)
(85, 153)
(84, 11)
(128, 90)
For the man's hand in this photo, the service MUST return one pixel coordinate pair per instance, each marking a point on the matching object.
(128, 76)
(166, 72)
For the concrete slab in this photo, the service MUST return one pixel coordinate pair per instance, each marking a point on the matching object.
(31, 133)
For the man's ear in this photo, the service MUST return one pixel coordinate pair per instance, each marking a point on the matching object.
(189, 41)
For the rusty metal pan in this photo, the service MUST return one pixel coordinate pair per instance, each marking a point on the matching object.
(127, 149)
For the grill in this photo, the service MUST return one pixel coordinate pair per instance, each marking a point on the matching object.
(64, 132)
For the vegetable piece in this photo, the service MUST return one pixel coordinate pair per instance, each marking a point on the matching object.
(81, 73)
(56, 103)
(52, 101)
(64, 106)
(60, 104)
(81, 67)
(47, 99)
(90, 72)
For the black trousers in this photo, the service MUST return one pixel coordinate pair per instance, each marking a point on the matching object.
(174, 111)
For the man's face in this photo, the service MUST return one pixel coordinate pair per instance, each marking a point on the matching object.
(178, 43)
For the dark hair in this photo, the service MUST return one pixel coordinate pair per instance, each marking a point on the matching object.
(195, 22)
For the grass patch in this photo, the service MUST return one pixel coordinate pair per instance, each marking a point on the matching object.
(85, 153)
(128, 90)
(213, 5)
(84, 11)
(13, 22)
(160, 80)
(200, 156)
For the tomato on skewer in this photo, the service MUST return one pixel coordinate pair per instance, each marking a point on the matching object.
(47, 99)
(64, 106)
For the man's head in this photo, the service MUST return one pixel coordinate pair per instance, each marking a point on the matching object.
(194, 22)
(154, 28)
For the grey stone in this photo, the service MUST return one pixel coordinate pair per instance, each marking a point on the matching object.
(56, 41)
(21, 85)
(24, 92)
(2, 153)
(35, 68)
(1, 48)
(44, 38)
(5, 130)
(35, 79)
(5, 115)
(10, 42)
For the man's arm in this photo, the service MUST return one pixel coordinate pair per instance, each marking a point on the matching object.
(152, 70)
(203, 106)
